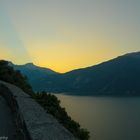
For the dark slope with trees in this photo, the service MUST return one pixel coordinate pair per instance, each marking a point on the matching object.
(8, 74)
(119, 77)
(38, 77)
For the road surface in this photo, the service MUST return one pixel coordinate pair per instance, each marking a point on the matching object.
(7, 127)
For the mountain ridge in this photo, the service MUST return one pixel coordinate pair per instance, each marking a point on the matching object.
(107, 78)
(31, 65)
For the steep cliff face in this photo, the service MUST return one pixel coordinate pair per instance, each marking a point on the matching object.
(31, 117)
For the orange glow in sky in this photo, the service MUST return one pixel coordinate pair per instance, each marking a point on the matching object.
(68, 34)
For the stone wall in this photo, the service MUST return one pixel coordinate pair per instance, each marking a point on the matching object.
(32, 121)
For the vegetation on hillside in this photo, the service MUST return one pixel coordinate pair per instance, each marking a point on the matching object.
(51, 103)
(47, 101)
(8, 74)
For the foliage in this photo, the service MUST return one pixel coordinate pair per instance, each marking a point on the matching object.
(8, 74)
(51, 103)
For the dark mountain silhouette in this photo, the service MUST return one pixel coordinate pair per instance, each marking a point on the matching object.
(119, 76)
(31, 68)
(38, 77)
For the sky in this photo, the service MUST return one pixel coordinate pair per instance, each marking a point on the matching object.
(68, 34)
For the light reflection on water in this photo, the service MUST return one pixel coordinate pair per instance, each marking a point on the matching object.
(106, 118)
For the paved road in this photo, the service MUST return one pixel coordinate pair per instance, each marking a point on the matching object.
(7, 127)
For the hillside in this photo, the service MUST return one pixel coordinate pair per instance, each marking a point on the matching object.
(8, 74)
(119, 76)
(38, 77)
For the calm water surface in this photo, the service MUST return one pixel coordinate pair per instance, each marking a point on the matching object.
(106, 118)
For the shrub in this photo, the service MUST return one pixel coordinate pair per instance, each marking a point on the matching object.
(8, 74)
(51, 103)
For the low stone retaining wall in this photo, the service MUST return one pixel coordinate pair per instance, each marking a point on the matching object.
(31, 119)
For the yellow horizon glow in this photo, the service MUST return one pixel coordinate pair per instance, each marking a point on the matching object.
(66, 35)
(63, 57)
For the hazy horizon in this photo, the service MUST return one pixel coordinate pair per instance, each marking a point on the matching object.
(68, 34)
(71, 69)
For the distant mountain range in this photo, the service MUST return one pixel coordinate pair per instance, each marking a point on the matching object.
(40, 78)
(119, 77)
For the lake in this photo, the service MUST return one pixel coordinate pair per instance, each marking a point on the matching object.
(107, 118)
